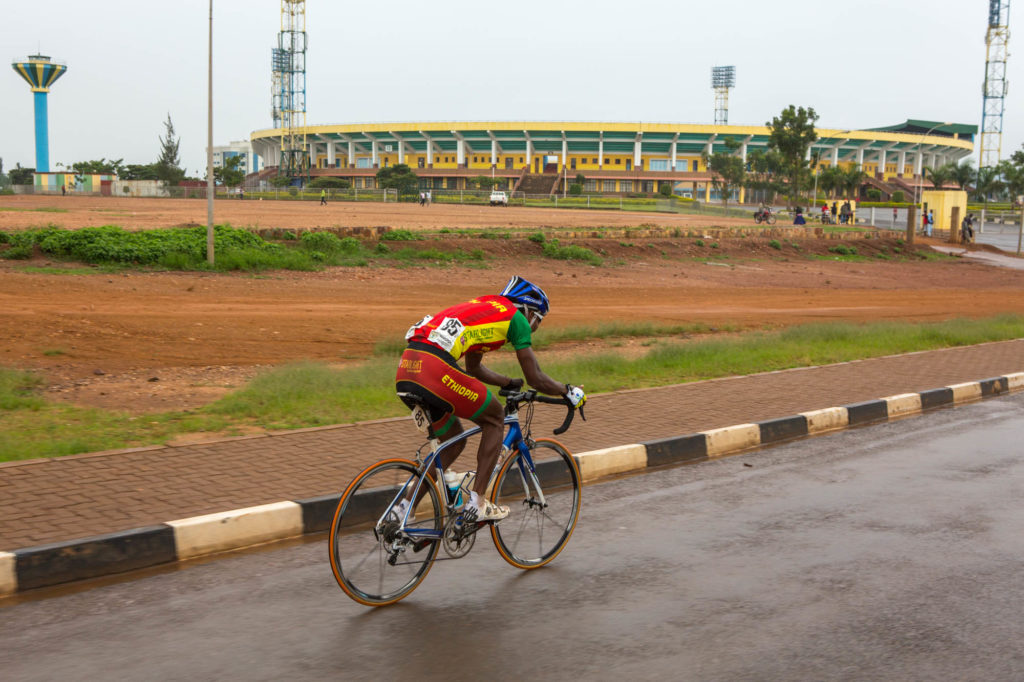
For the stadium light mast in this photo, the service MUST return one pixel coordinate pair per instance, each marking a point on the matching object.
(722, 78)
(288, 79)
(993, 92)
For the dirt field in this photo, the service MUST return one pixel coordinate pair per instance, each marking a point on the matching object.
(73, 212)
(146, 341)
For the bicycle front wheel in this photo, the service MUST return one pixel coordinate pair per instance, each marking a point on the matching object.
(374, 562)
(544, 505)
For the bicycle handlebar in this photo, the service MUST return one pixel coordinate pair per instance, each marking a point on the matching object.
(513, 398)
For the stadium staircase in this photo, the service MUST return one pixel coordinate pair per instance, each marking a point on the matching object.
(538, 183)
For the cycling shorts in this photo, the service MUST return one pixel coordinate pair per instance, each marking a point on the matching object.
(433, 375)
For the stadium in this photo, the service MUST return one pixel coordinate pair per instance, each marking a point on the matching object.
(543, 157)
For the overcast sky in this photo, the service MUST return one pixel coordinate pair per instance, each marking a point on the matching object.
(859, 63)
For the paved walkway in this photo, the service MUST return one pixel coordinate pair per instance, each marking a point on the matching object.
(66, 498)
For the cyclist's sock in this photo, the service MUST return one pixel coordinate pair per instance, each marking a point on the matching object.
(474, 500)
(400, 508)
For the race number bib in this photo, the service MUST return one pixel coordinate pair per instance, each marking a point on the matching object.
(419, 415)
(447, 333)
(412, 329)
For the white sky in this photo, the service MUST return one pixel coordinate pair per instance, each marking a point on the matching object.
(859, 63)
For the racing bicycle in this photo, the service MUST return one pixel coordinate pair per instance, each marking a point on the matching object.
(378, 557)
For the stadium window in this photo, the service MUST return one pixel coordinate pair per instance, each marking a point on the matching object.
(618, 162)
(625, 185)
(695, 165)
(606, 162)
(590, 186)
(659, 164)
(572, 163)
(593, 161)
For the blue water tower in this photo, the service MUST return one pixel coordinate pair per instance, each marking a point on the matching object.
(39, 72)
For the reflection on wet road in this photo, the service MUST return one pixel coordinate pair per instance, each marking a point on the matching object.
(891, 552)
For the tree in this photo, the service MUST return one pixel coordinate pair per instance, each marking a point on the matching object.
(167, 167)
(21, 176)
(485, 182)
(98, 167)
(792, 134)
(329, 183)
(229, 175)
(398, 177)
(280, 181)
(938, 176)
(987, 183)
(764, 172)
(728, 168)
(135, 171)
(962, 174)
(1012, 177)
(830, 180)
(852, 178)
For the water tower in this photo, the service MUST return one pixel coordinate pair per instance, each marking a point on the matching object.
(40, 73)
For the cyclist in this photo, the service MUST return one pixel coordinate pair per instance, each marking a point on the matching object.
(429, 370)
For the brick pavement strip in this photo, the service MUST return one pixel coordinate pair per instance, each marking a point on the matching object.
(146, 486)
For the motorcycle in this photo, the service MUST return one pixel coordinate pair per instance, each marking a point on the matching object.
(764, 215)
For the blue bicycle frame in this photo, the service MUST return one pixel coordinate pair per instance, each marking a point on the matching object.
(513, 439)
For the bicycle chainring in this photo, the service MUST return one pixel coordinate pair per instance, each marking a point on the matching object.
(458, 540)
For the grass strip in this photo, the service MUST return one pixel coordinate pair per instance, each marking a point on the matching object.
(313, 394)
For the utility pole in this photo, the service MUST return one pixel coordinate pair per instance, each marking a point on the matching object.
(209, 147)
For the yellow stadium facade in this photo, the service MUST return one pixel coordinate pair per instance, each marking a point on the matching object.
(542, 157)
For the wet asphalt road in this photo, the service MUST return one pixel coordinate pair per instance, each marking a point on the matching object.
(894, 552)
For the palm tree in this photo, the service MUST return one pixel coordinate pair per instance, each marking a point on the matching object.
(962, 174)
(938, 176)
(829, 180)
(852, 179)
(986, 183)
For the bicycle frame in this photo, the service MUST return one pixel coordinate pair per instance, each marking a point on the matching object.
(513, 439)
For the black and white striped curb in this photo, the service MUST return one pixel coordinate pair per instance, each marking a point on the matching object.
(63, 562)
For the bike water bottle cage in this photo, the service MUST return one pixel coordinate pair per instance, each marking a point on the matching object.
(526, 294)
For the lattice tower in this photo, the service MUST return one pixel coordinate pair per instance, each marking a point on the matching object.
(288, 83)
(997, 39)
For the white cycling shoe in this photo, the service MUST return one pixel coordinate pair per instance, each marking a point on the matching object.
(484, 511)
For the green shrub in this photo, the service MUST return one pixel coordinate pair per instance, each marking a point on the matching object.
(553, 249)
(714, 245)
(897, 196)
(399, 236)
(575, 189)
(329, 183)
(843, 250)
(329, 243)
(665, 190)
(699, 242)
(537, 238)
(19, 252)
(874, 194)
(775, 244)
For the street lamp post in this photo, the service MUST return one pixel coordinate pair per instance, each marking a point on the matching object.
(209, 148)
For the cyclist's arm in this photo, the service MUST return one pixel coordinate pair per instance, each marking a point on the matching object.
(475, 368)
(534, 376)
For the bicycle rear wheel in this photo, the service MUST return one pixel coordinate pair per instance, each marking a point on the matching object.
(543, 508)
(373, 562)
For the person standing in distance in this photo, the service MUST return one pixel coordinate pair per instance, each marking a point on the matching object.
(429, 370)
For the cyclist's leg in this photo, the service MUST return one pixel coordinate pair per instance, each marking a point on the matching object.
(492, 427)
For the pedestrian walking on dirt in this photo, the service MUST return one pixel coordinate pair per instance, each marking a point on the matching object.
(323, 197)
(835, 212)
(63, 191)
(931, 221)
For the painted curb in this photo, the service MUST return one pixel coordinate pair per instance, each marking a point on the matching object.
(8, 574)
(599, 463)
(228, 530)
(136, 548)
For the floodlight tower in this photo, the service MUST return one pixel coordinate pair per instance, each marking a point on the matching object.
(993, 92)
(41, 73)
(722, 78)
(288, 80)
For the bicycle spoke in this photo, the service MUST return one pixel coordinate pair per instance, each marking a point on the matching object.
(372, 558)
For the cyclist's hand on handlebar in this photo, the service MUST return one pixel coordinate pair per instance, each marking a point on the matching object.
(513, 385)
(575, 395)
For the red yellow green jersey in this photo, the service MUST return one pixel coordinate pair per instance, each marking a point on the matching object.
(483, 324)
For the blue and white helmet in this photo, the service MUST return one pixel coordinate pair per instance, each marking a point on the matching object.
(525, 293)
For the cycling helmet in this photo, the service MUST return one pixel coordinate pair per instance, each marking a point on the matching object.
(525, 293)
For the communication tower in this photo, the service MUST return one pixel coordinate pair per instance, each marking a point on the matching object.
(288, 83)
(993, 91)
(40, 73)
(722, 78)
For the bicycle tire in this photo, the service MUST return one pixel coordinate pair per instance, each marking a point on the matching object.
(356, 538)
(515, 536)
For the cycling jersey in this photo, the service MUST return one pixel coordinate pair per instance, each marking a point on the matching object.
(428, 368)
(483, 324)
